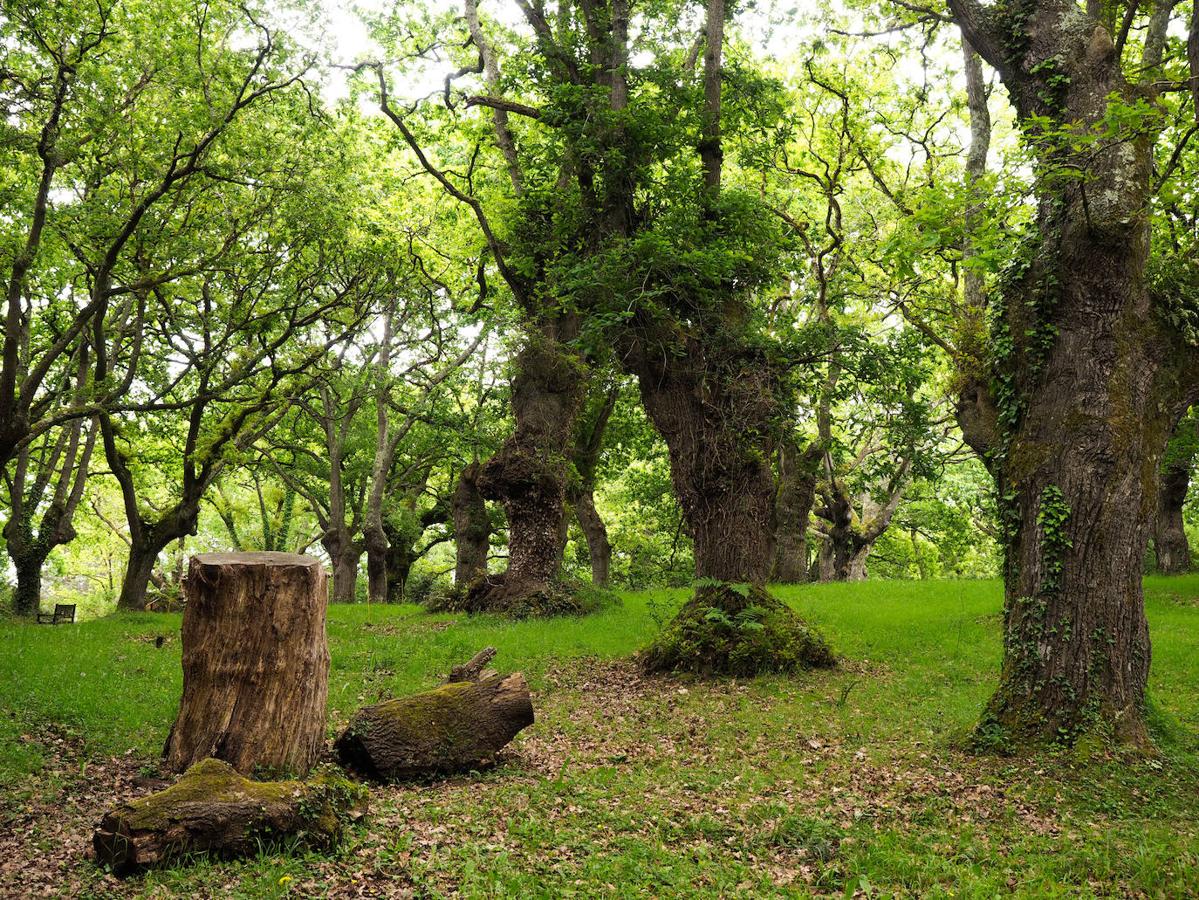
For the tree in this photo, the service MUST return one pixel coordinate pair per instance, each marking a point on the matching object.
(1086, 375)
(45, 489)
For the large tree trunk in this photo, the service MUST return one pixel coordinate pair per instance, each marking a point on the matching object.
(28, 593)
(255, 663)
(793, 503)
(599, 549)
(528, 475)
(472, 528)
(455, 727)
(1088, 380)
(212, 809)
(717, 419)
(139, 572)
(1169, 533)
(344, 556)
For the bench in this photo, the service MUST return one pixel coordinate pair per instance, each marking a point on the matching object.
(64, 614)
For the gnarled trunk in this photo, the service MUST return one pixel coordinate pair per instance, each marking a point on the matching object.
(139, 571)
(1088, 380)
(377, 549)
(345, 553)
(716, 416)
(793, 508)
(528, 474)
(472, 528)
(1169, 533)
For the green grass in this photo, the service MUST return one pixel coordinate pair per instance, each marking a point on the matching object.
(825, 783)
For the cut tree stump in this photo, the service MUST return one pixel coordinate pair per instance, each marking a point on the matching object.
(213, 809)
(456, 727)
(255, 663)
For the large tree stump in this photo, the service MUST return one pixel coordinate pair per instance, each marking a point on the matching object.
(255, 663)
(453, 728)
(214, 809)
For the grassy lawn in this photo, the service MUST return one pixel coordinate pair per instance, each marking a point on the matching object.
(826, 784)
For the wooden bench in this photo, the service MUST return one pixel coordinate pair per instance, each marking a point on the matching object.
(64, 614)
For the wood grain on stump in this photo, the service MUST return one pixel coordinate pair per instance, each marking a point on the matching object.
(255, 663)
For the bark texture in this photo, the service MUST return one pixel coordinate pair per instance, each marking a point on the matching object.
(589, 444)
(529, 474)
(472, 528)
(255, 663)
(213, 809)
(1170, 542)
(1087, 383)
(793, 504)
(1169, 533)
(456, 727)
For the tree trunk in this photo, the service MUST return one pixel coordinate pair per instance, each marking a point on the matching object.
(472, 528)
(139, 571)
(28, 593)
(1088, 379)
(598, 547)
(1169, 533)
(213, 809)
(255, 663)
(344, 556)
(716, 417)
(454, 728)
(794, 500)
(528, 475)
(376, 564)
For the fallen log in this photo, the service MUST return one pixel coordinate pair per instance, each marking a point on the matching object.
(453, 728)
(212, 809)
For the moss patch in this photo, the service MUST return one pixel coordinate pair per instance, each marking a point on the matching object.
(729, 631)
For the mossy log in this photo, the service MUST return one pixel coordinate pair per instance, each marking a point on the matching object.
(255, 663)
(212, 809)
(453, 728)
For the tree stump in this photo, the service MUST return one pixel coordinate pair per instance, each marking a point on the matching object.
(453, 728)
(214, 809)
(255, 663)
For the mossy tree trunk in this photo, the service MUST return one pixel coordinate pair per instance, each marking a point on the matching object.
(472, 528)
(212, 809)
(795, 497)
(529, 473)
(1088, 382)
(255, 663)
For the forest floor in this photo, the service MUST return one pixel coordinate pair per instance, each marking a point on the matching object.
(838, 783)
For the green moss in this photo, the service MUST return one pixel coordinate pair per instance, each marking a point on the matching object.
(328, 798)
(723, 630)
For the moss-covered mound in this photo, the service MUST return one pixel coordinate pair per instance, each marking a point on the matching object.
(494, 594)
(736, 630)
(213, 809)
